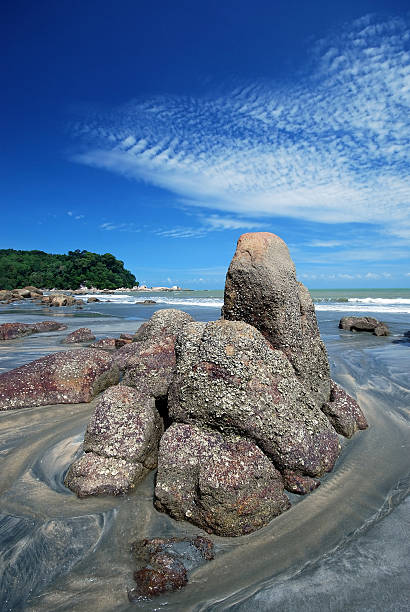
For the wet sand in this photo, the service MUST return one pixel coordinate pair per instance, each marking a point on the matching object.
(345, 546)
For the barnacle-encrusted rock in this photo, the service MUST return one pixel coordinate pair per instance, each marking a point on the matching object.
(9, 331)
(369, 324)
(230, 378)
(67, 377)
(261, 289)
(94, 474)
(344, 412)
(106, 344)
(225, 485)
(149, 365)
(165, 563)
(82, 334)
(167, 322)
(121, 444)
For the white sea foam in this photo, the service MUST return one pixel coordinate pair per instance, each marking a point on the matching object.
(119, 298)
(352, 305)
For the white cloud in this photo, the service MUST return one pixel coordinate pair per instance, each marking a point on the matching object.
(331, 147)
(324, 243)
(121, 227)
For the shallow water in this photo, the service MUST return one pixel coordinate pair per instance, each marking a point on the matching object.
(345, 546)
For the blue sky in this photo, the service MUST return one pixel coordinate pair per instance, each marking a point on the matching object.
(161, 131)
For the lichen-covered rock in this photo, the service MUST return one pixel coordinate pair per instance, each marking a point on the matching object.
(344, 412)
(121, 444)
(93, 474)
(148, 365)
(82, 334)
(369, 324)
(261, 289)
(225, 485)
(164, 563)
(9, 331)
(126, 425)
(231, 379)
(67, 377)
(166, 322)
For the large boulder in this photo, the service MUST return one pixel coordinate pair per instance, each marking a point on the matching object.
(148, 365)
(223, 484)
(166, 322)
(230, 378)
(121, 444)
(369, 324)
(261, 289)
(67, 377)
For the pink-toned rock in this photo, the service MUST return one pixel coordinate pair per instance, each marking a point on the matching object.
(67, 377)
(9, 331)
(298, 483)
(148, 365)
(83, 334)
(261, 289)
(225, 485)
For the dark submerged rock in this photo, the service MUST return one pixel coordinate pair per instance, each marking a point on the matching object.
(68, 377)
(369, 324)
(83, 334)
(225, 485)
(166, 563)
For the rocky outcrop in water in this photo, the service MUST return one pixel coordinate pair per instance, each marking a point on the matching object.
(9, 331)
(82, 334)
(249, 400)
(368, 324)
(68, 377)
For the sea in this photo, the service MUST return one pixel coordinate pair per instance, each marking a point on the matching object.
(346, 546)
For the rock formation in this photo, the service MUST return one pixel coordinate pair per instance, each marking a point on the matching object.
(368, 324)
(9, 331)
(82, 334)
(247, 404)
(67, 377)
(121, 444)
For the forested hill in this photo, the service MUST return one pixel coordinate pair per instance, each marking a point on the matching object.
(45, 270)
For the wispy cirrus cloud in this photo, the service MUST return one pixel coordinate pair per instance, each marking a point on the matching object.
(331, 147)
